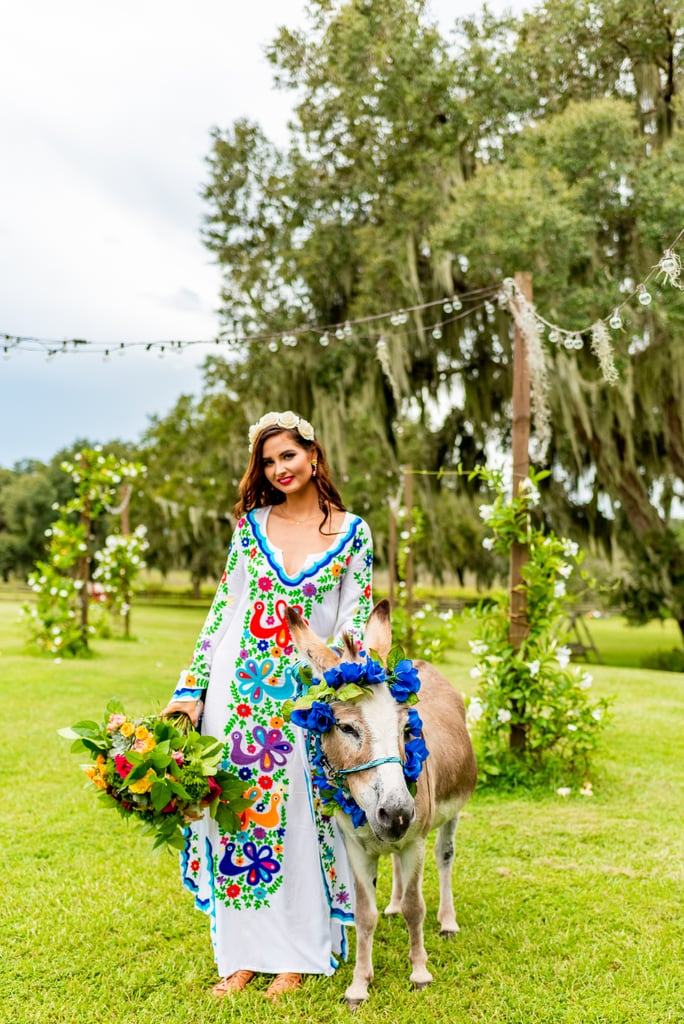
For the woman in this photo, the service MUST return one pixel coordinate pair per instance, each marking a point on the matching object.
(279, 891)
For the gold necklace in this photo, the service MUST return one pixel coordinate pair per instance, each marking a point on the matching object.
(299, 522)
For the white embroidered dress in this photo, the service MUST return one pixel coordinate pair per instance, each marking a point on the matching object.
(280, 891)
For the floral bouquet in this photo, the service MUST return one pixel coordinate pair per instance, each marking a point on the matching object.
(160, 771)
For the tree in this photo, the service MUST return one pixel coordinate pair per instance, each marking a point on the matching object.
(417, 172)
(195, 456)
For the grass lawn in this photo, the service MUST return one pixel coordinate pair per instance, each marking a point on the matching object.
(570, 909)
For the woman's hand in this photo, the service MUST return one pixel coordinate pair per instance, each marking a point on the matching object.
(192, 708)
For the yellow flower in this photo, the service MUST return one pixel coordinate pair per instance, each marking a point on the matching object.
(142, 732)
(149, 744)
(101, 759)
(127, 729)
(143, 785)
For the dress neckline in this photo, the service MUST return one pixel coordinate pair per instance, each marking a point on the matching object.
(314, 561)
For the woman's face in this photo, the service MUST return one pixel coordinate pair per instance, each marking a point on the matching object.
(286, 464)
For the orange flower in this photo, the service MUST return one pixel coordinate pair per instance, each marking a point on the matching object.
(336, 569)
(277, 722)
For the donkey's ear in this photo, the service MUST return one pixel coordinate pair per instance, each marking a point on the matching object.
(378, 632)
(312, 650)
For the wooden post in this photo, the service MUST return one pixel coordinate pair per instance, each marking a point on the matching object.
(521, 464)
(83, 573)
(392, 549)
(408, 500)
(126, 491)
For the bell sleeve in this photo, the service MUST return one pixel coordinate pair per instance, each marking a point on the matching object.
(194, 681)
(356, 589)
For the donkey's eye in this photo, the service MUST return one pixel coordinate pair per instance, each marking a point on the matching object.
(347, 729)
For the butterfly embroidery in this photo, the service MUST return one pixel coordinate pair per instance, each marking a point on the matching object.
(273, 749)
(261, 865)
(253, 676)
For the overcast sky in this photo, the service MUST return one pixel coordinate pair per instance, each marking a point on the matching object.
(105, 115)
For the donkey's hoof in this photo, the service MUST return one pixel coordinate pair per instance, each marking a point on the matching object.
(420, 985)
(446, 934)
(353, 1004)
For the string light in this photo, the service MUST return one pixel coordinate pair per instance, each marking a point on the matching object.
(668, 267)
(341, 331)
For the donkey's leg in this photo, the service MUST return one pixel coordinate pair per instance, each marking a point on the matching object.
(394, 905)
(412, 858)
(365, 868)
(444, 856)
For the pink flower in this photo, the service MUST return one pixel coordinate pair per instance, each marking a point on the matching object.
(177, 755)
(265, 583)
(114, 722)
(214, 788)
(123, 765)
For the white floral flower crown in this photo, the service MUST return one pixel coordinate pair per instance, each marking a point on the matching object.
(287, 420)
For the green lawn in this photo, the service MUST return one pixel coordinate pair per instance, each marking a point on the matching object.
(570, 909)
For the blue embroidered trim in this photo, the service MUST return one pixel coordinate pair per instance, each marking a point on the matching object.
(319, 563)
(189, 883)
(212, 899)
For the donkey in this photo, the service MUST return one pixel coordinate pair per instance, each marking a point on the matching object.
(365, 748)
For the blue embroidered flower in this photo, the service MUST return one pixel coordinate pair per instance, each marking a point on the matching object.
(404, 680)
(317, 718)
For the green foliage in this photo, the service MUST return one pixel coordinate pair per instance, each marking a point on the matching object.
(533, 718)
(161, 776)
(119, 563)
(58, 622)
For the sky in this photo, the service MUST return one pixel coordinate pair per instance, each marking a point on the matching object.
(106, 111)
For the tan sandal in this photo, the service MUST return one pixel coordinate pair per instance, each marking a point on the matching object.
(283, 983)
(234, 983)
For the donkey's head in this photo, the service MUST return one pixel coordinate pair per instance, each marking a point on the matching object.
(364, 747)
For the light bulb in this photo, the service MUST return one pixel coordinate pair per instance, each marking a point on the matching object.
(616, 320)
(643, 296)
(668, 262)
(324, 340)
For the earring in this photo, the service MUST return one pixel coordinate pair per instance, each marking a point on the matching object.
(314, 466)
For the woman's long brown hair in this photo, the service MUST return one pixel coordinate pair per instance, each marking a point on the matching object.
(257, 492)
